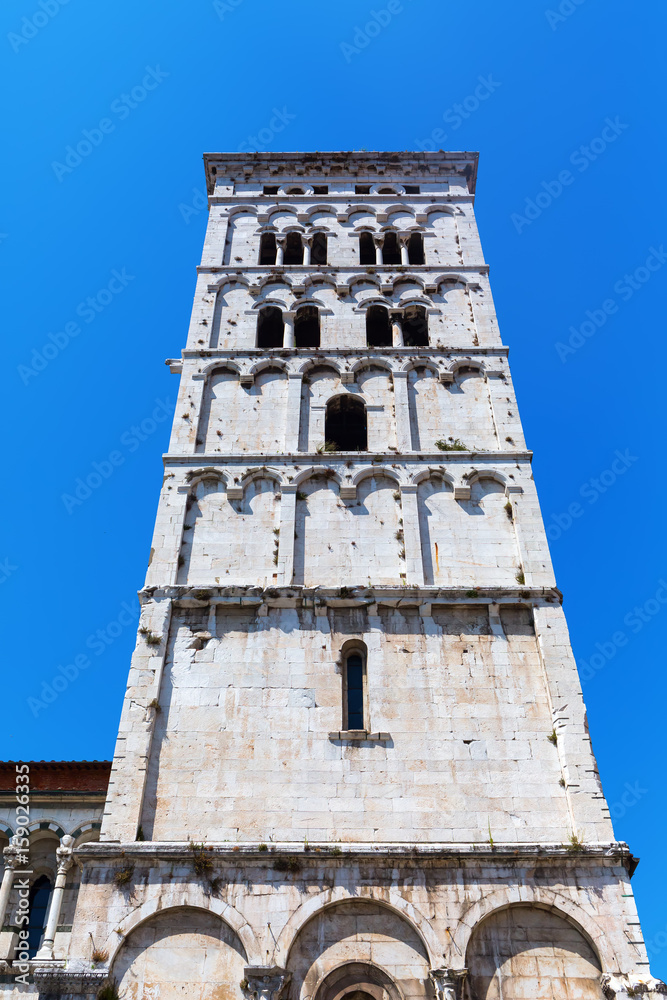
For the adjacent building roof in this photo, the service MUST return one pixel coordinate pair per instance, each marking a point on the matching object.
(57, 775)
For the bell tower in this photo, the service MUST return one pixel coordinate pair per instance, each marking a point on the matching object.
(353, 755)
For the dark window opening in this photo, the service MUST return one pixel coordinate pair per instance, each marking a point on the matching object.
(367, 253)
(38, 902)
(318, 250)
(270, 189)
(354, 678)
(294, 190)
(386, 191)
(293, 249)
(411, 188)
(416, 248)
(391, 252)
(345, 424)
(320, 189)
(362, 189)
(378, 327)
(267, 248)
(307, 327)
(415, 327)
(270, 327)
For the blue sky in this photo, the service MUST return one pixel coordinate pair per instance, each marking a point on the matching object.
(571, 208)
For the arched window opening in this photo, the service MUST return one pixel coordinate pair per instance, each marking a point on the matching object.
(267, 248)
(366, 249)
(295, 191)
(345, 426)
(270, 327)
(307, 327)
(38, 901)
(391, 252)
(318, 250)
(416, 248)
(378, 327)
(386, 190)
(293, 249)
(415, 327)
(353, 699)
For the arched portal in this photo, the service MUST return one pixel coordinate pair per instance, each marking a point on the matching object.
(345, 424)
(526, 951)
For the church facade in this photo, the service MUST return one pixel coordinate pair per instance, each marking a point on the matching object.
(353, 760)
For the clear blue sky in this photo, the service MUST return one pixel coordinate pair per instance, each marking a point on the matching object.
(552, 83)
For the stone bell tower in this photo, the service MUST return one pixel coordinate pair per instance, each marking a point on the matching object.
(353, 759)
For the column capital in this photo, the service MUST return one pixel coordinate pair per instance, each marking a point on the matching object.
(447, 983)
(265, 983)
(11, 856)
(64, 854)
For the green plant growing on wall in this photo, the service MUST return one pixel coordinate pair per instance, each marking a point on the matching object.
(451, 444)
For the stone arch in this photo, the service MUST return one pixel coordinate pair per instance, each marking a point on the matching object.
(264, 473)
(230, 541)
(362, 545)
(323, 209)
(313, 471)
(466, 543)
(358, 981)
(280, 209)
(321, 382)
(524, 950)
(430, 414)
(374, 380)
(379, 470)
(86, 833)
(241, 210)
(236, 418)
(347, 214)
(322, 935)
(364, 279)
(43, 827)
(176, 947)
(469, 402)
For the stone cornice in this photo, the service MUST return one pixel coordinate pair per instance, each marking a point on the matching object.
(359, 458)
(320, 354)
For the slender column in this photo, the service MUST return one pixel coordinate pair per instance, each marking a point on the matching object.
(378, 241)
(11, 856)
(286, 537)
(403, 241)
(402, 408)
(307, 242)
(265, 983)
(411, 537)
(65, 861)
(280, 250)
(288, 334)
(295, 380)
(396, 329)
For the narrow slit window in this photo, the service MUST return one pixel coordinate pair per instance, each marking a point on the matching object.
(267, 248)
(354, 692)
(318, 251)
(416, 249)
(293, 249)
(38, 902)
(391, 252)
(366, 249)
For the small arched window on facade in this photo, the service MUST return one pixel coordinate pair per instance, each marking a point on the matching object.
(415, 327)
(307, 327)
(416, 248)
(270, 328)
(293, 249)
(391, 252)
(378, 327)
(345, 425)
(318, 249)
(366, 249)
(354, 690)
(38, 902)
(267, 248)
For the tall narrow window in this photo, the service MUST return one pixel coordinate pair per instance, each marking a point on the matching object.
(267, 248)
(318, 250)
(391, 252)
(345, 424)
(378, 327)
(38, 902)
(307, 327)
(366, 249)
(415, 327)
(353, 714)
(293, 249)
(270, 327)
(416, 249)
